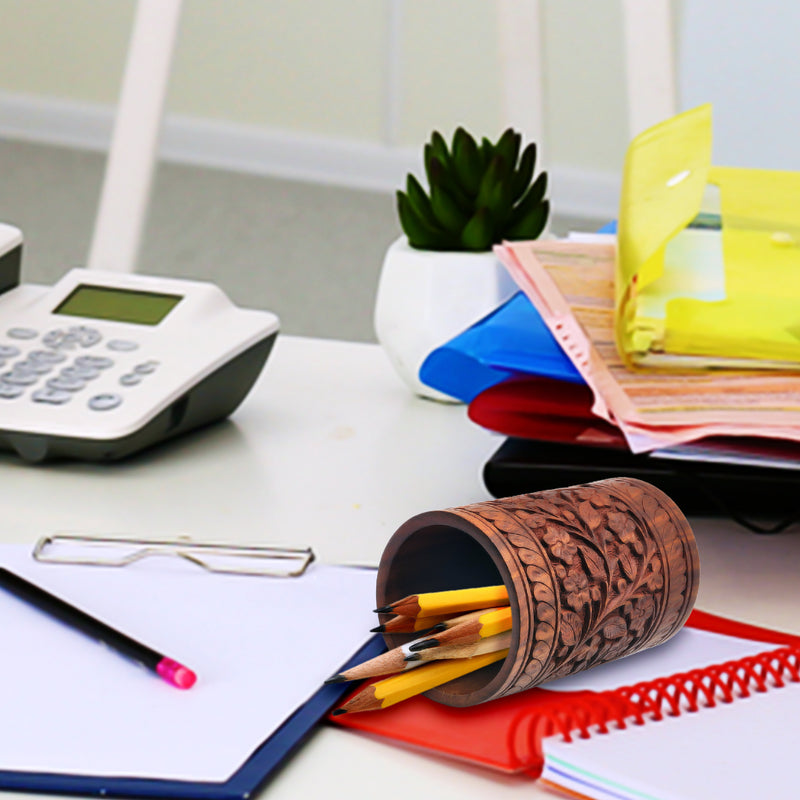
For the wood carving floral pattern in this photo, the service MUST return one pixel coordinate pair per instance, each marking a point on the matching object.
(609, 569)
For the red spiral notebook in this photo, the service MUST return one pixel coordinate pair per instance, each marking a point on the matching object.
(530, 732)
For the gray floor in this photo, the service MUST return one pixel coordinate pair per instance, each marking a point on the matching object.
(310, 253)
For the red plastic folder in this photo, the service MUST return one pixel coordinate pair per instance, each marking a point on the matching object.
(507, 734)
(544, 409)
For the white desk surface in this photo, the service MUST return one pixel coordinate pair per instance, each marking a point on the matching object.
(331, 450)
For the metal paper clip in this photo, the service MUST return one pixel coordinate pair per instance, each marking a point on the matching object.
(113, 551)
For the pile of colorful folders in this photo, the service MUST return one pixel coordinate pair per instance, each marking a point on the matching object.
(667, 348)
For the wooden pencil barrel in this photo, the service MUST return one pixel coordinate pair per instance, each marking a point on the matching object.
(594, 572)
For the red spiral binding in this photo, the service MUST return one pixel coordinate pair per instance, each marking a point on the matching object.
(690, 691)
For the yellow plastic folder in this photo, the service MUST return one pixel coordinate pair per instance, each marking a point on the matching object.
(708, 258)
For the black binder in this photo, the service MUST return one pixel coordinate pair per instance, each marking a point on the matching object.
(700, 488)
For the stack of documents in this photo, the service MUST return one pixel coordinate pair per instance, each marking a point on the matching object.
(571, 285)
(677, 337)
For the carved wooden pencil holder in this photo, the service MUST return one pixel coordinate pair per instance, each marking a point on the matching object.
(594, 572)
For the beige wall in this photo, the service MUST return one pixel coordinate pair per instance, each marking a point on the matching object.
(586, 108)
(71, 50)
(317, 66)
(301, 65)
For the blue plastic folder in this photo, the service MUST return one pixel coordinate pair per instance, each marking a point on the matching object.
(512, 340)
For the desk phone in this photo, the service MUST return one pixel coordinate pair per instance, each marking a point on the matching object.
(103, 364)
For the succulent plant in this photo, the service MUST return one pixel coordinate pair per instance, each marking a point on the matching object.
(479, 194)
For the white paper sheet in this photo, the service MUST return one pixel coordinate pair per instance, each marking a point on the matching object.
(715, 752)
(260, 648)
(738, 751)
(688, 649)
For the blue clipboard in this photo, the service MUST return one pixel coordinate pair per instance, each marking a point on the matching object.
(255, 771)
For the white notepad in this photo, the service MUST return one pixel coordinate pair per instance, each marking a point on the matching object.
(743, 750)
(260, 647)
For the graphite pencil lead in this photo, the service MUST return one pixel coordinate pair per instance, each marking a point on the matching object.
(383, 610)
(401, 623)
(413, 657)
(428, 643)
(338, 711)
(338, 678)
(491, 644)
(394, 629)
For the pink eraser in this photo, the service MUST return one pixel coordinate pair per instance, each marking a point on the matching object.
(176, 674)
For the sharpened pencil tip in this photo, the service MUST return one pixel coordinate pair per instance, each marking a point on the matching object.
(426, 645)
(338, 678)
(413, 657)
(338, 711)
(383, 610)
(379, 629)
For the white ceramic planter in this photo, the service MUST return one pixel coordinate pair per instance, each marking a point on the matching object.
(425, 298)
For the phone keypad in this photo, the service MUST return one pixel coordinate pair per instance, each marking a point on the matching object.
(57, 369)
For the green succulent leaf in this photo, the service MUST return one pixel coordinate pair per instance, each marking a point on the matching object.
(494, 175)
(487, 151)
(433, 165)
(499, 203)
(417, 197)
(531, 200)
(521, 179)
(479, 193)
(446, 210)
(467, 161)
(439, 147)
(530, 226)
(508, 146)
(440, 175)
(478, 232)
(419, 232)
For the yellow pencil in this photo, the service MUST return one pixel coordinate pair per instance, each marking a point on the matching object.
(453, 601)
(500, 641)
(451, 621)
(389, 691)
(479, 626)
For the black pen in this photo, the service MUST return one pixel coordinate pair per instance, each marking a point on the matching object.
(168, 669)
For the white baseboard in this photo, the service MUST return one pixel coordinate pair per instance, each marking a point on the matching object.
(275, 152)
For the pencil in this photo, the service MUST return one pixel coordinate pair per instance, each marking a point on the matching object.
(168, 669)
(387, 692)
(454, 601)
(460, 619)
(481, 625)
(500, 641)
(404, 624)
(394, 660)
